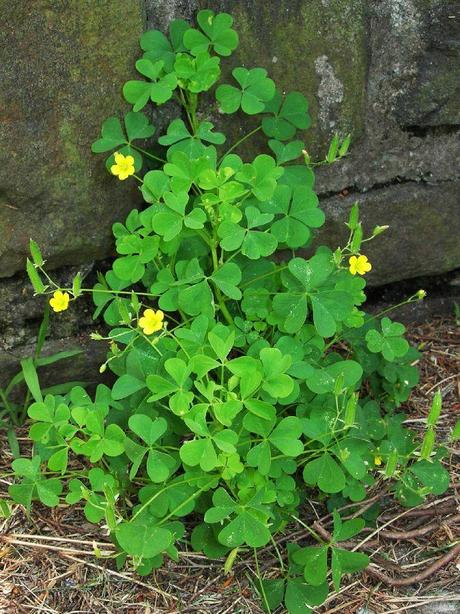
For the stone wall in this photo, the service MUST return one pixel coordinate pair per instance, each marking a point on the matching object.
(387, 71)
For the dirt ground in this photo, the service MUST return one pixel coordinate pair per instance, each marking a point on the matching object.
(47, 561)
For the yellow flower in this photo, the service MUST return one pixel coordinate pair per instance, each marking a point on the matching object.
(60, 301)
(151, 321)
(377, 460)
(359, 264)
(123, 167)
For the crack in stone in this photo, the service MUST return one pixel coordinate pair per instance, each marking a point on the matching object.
(353, 189)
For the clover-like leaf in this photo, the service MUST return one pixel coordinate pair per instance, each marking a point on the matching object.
(112, 136)
(325, 472)
(306, 280)
(322, 380)
(184, 171)
(135, 252)
(285, 436)
(314, 561)
(390, 342)
(33, 484)
(289, 115)
(126, 385)
(300, 213)
(253, 243)
(227, 278)
(137, 126)
(432, 475)
(276, 382)
(157, 47)
(155, 184)
(199, 452)
(159, 88)
(217, 33)
(249, 526)
(179, 138)
(147, 429)
(301, 596)
(286, 152)
(255, 90)
(262, 175)
(348, 529)
(143, 540)
(346, 561)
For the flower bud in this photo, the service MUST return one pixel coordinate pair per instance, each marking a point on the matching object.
(337, 256)
(378, 230)
(306, 156)
(96, 337)
(103, 368)
(421, 294)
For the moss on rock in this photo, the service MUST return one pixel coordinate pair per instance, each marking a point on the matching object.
(63, 65)
(315, 47)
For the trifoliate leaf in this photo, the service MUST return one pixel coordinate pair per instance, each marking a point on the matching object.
(159, 88)
(217, 33)
(326, 473)
(143, 541)
(314, 561)
(255, 90)
(289, 115)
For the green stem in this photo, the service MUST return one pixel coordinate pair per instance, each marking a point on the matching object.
(241, 140)
(278, 554)
(160, 492)
(411, 299)
(149, 294)
(23, 412)
(148, 154)
(262, 590)
(193, 104)
(259, 277)
(309, 529)
(186, 502)
(13, 414)
(186, 108)
(42, 270)
(223, 307)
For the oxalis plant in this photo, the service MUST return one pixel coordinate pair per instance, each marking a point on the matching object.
(248, 379)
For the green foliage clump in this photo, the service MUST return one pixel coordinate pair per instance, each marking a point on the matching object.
(245, 383)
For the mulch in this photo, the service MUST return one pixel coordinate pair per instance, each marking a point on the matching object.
(48, 562)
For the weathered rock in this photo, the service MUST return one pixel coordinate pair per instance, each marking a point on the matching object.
(317, 48)
(63, 65)
(20, 314)
(423, 234)
(433, 93)
(82, 367)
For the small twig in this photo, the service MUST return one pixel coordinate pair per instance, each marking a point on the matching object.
(31, 544)
(381, 528)
(122, 576)
(430, 511)
(446, 379)
(365, 506)
(317, 526)
(419, 577)
(404, 535)
(58, 539)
